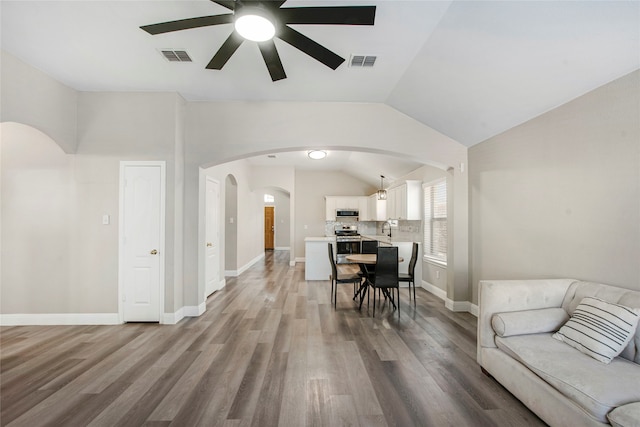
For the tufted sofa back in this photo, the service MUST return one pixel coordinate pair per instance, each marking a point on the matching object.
(578, 290)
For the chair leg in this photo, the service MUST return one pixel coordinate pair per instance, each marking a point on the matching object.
(374, 302)
(414, 291)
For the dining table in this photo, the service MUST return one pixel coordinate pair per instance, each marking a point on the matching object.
(363, 260)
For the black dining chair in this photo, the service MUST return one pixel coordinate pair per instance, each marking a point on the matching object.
(369, 247)
(336, 278)
(409, 276)
(385, 277)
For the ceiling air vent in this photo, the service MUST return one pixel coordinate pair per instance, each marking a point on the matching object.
(176, 55)
(363, 61)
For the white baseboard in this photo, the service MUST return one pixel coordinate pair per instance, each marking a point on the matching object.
(48, 319)
(448, 303)
(235, 273)
(173, 318)
(300, 259)
(250, 263)
(474, 310)
(281, 248)
(440, 293)
(195, 311)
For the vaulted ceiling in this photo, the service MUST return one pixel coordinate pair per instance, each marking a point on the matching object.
(468, 69)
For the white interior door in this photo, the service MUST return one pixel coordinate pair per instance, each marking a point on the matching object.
(141, 241)
(212, 263)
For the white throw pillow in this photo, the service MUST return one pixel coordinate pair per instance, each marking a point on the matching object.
(599, 329)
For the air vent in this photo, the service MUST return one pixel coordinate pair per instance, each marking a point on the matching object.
(176, 55)
(271, 156)
(362, 61)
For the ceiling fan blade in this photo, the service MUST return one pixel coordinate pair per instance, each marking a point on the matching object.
(229, 4)
(311, 48)
(334, 15)
(227, 49)
(272, 59)
(185, 24)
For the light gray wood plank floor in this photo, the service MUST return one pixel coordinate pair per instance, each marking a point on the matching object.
(271, 350)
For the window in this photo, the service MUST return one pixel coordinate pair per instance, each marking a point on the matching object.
(268, 198)
(435, 220)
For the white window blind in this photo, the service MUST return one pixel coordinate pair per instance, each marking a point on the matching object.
(435, 220)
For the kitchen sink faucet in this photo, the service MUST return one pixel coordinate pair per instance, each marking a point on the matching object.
(382, 230)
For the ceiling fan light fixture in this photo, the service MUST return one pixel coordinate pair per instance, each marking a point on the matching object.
(255, 25)
(317, 154)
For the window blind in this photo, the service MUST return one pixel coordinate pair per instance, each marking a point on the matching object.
(435, 220)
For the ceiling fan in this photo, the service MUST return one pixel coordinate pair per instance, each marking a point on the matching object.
(279, 19)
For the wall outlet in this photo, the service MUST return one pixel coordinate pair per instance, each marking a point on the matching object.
(437, 274)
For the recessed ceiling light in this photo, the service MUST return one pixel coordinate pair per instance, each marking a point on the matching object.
(317, 154)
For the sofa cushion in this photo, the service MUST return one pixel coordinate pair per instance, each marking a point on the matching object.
(625, 416)
(599, 329)
(594, 386)
(528, 321)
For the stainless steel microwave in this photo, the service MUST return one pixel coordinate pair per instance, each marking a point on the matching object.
(346, 213)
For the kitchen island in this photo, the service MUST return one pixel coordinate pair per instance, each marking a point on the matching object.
(316, 257)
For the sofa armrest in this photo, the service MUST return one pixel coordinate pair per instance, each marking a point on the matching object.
(499, 296)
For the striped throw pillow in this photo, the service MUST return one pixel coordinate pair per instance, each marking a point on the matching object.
(599, 329)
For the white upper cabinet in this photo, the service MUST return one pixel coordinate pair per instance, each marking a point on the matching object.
(356, 203)
(377, 208)
(405, 201)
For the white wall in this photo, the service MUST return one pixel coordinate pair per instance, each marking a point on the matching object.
(559, 196)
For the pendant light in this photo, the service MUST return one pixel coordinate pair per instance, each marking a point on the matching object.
(382, 193)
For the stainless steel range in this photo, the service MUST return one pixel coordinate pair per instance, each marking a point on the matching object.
(347, 242)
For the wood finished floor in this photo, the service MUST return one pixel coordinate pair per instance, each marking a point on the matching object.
(270, 350)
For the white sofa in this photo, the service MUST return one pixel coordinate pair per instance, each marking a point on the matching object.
(562, 385)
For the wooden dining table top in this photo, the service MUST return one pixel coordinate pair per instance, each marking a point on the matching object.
(366, 258)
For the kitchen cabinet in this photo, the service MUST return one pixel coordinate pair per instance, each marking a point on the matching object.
(404, 201)
(333, 203)
(377, 209)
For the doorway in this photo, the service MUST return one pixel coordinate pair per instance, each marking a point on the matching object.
(269, 228)
(212, 233)
(141, 241)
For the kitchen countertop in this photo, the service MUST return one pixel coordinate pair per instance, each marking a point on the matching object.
(320, 239)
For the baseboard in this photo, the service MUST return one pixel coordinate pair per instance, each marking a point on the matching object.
(231, 273)
(250, 263)
(50, 319)
(300, 259)
(173, 318)
(448, 303)
(281, 248)
(457, 305)
(474, 310)
(440, 293)
(195, 311)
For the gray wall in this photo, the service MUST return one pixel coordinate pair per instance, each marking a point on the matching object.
(282, 218)
(311, 187)
(559, 196)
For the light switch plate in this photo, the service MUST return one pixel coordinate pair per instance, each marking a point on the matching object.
(105, 219)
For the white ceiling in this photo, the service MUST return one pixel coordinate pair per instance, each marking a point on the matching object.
(469, 69)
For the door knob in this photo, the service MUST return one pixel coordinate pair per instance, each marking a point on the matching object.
(153, 252)
(209, 244)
